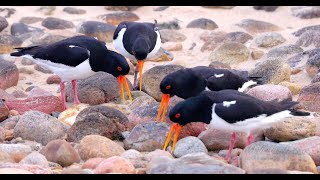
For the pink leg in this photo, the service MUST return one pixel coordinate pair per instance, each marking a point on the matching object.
(75, 93)
(250, 139)
(231, 145)
(63, 95)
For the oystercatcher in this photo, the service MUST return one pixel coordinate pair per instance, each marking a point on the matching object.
(230, 111)
(137, 40)
(76, 58)
(190, 82)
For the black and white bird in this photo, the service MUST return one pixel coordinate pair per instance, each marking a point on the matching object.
(137, 41)
(229, 111)
(190, 82)
(77, 58)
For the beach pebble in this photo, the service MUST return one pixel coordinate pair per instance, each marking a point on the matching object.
(147, 136)
(290, 129)
(219, 7)
(162, 55)
(212, 40)
(16, 151)
(99, 120)
(42, 69)
(170, 35)
(54, 79)
(313, 65)
(47, 39)
(26, 61)
(12, 168)
(14, 171)
(48, 127)
(5, 157)
(6, 96)
(238, 36)
(61, 152)
(266, 8)
(310, 145)
(285, 51)
(309, 97)
(219, 65)
(9, 74)
(92, 163)
(269, 92)
(196, 163)
(230, 53)
(118, 17)
(121, 8)
(30, 19)
(307, 28)
(45, 104)
(269, 39)
(254, 26)
(97, 89)
(161, 8)
(272, 71)
(153, 77)
(189, 145)
(35, 158)
(203, 23)
(137, 159)
(38, 92)
(103, 31)
(310, 37)
(56, 23)
(3, 23)
(88, 147)
(222, 138)
(21, 28)
(115, 164)
(72, 10)
(316, 79)
(256, 54)
(306, 12)
(172, 46)
(261, 155)
(173, 24)
(4, 111)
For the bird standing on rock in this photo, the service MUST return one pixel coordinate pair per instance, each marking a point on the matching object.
(229, 111)
(190, 82)
(76, 58)
(139, 41)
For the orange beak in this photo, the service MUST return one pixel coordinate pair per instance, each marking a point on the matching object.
(163, 106)
(175, 127)
(123, 80)
(140, 67)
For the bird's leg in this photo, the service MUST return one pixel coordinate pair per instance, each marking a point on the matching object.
(250, 139)
(63, 95)
(136, 70)
(231, 145)
(75, 93)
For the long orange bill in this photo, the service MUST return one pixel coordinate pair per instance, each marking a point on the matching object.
(120, 80)
(175, 127)
(140, 66)
(163, 107)
(127, 87)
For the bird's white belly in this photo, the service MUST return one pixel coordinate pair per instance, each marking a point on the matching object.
(156, 47)
(66, 73)
(118, 45)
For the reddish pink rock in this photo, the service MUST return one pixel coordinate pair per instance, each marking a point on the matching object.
(215, 139)
(4, 111)
(54, 79)
(115, 164)
(269, 92)
(37, 92)
(92, 163)
(9, 74)
(35, 169)
(309, 97)
(45, 104)
(6, 96)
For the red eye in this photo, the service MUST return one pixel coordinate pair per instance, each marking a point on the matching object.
(178, 115)
(168, 87)
(119, 68)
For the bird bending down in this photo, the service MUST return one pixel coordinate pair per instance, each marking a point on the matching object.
(139, 41)
(77, 58)
(229, 111)
(190, 82)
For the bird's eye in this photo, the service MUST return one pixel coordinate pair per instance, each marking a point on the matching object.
(119, 68)
(168, 87)
(178, 115)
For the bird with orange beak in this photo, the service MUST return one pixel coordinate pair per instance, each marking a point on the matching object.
(229, 110)
(137, 41)
(77, 58)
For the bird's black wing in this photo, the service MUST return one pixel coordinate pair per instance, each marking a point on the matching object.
(118, 29)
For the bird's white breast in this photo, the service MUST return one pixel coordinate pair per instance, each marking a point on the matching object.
(118, 44)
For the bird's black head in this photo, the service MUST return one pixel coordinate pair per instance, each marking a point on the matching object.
(184, 83)
(118, 66)
(194, 109)
(140, 48)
